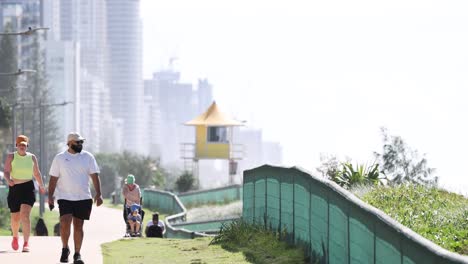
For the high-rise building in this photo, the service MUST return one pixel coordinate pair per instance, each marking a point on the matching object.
(10, 13)
(272, 153)
(124, 36)
(63, 70)
(84, 22)
(51, 18)
(204, 95)
(177, 106)
(169, 103)
(21, 14)
(152, 118)
(63, 65)
(257, 151)
(252, 140)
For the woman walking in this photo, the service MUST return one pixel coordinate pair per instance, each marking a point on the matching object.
(20, 167)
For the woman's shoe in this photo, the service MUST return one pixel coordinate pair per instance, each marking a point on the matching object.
(26, 247)
(14, 243)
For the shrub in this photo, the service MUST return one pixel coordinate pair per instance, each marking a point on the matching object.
(185, 182)
(4, 218)
(437, 215)
(259, 244)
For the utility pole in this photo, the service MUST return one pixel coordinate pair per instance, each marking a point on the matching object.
(42, 158)
(22, 116)
(42, 147)
(13, 127)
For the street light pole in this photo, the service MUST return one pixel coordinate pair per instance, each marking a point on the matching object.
(22, 116)
(42, 148)
(26, 32)
(13, 126)
(42, 155)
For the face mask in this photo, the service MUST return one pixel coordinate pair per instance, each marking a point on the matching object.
(76, 148)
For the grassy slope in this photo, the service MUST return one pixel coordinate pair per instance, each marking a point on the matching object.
(153, 250)
(258, 244)
(437, 215)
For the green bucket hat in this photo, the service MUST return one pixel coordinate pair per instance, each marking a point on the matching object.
(130, 179)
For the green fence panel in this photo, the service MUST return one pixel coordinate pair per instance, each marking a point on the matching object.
(260, 201)
(218, 195)
(413, 253)
(318, 221)
(361, 237)
(160, 201)
(273, 202)
(338, 231)
(387, 245)
(287, 204)
(301, 210)
(248, 200)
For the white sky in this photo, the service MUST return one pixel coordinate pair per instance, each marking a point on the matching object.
(324, 76)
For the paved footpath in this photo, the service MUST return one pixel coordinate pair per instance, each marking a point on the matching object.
(105, 225)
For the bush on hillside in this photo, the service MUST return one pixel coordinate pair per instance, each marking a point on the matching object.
(437, 215)
(259, 244)
(185, 182)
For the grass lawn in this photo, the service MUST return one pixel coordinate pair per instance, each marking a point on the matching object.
(258, 244)
(108, 203)
(50, 218)
(155, 250)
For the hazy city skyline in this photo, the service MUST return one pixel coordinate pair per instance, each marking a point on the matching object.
(323, 77)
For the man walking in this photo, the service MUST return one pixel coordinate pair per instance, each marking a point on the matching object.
(69, 180)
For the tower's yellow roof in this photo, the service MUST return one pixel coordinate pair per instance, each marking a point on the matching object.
(213, 117)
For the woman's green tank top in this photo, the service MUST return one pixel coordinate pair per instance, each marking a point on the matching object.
(22, 167)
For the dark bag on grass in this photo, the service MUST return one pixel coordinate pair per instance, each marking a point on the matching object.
(41, 228)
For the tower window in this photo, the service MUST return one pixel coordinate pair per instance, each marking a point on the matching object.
(217, 134)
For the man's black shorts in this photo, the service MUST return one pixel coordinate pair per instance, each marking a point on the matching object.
(79, 209)
(19, 194)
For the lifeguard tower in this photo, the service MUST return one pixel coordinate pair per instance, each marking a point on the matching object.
(213, 140)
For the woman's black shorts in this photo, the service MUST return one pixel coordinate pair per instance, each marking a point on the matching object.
(80, 209)
(22, 193)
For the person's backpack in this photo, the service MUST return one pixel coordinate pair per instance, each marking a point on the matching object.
(154, 231)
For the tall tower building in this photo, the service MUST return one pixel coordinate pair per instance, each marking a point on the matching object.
(84, 22)
(176, 104)
(21, 14)
(63, 65)
(124, 35)
(204, 94)
(64, 70)
(152, 117)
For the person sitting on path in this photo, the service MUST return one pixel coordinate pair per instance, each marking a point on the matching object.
(155, 227)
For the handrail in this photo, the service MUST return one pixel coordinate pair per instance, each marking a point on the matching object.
(178, 218)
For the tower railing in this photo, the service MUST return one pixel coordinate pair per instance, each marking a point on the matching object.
(237, 151)
(187, 151)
